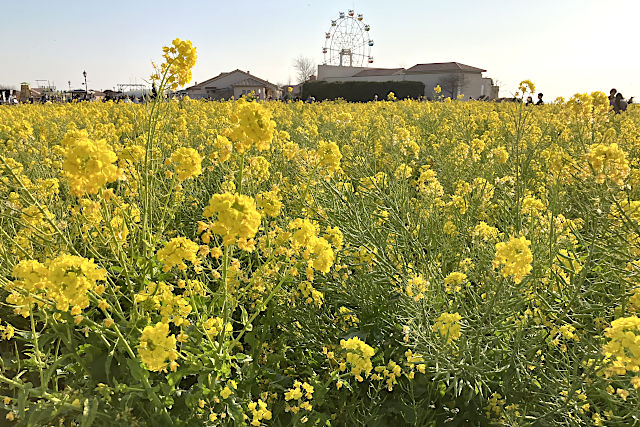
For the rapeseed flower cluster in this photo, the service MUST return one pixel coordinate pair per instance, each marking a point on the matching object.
(88, 164)
(358, 356)
(158, 347)
(179, 59)
(236, 218)
(259, 412)
(6, 331)
(448, 326)
(187, 163)
(329, 156)
(389, 373)
(527, 86)
(416, 287)
(485, 231)
(253, 127)
(223, 149)
(532, 206)
(623, 349)
(299, 397)
(65, 281)
(213, 326)
(162, 298)
(454, 280)
(515, 258)
(176, 252)
(270, 202)
(315, 249)
(607, 161)
(258, 168)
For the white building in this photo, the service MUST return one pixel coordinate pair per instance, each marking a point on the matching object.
(233, 85)
(453, 78)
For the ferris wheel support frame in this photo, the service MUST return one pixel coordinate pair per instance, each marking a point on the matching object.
(348, 36)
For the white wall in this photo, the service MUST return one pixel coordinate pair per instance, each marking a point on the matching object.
(490, 89)
(336, 71)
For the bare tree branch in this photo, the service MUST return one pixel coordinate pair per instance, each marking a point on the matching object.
(451, 84)
(305, 68)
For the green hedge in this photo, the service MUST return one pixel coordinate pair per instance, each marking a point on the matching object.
(361, 91)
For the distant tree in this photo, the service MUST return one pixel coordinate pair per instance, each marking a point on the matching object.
(305, 68)
(452, 85)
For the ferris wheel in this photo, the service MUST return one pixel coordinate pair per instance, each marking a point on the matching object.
(347, 43)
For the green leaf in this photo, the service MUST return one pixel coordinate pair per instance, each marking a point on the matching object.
(244, 317)
(89, 412)
(22, 399)
(136, 369)
(243, 358)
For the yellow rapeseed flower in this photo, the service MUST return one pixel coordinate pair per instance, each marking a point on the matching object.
(88, 164)
(157, 347)
(187, 163)
(236, 216)
(448, 326)
(177, 251)
(515, 258)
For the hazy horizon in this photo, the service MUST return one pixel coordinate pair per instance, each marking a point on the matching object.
(564, 47)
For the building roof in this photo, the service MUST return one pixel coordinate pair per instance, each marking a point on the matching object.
(370, 72)
(249, 82)
(206, 82)
(209, 83)
(440, 67)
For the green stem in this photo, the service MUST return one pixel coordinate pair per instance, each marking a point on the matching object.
(148, 167)
(37, 348)
(253, 317)
(225, 302)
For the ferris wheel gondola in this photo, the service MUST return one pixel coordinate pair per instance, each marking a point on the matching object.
(347, 43)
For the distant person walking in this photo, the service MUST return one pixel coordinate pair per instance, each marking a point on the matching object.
(529, 101)
(619, 104)
(540, 101)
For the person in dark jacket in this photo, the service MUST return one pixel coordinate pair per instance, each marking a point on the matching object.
(619, 104)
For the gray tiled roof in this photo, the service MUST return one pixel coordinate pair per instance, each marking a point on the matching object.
(249, 82)
(439, 67)
(369, 72)
(208, 83)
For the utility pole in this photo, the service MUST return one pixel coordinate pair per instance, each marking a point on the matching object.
(86, 88)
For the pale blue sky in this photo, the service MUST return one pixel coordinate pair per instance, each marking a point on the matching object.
(564, 46)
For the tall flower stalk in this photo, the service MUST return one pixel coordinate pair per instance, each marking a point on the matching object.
(174, 72)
